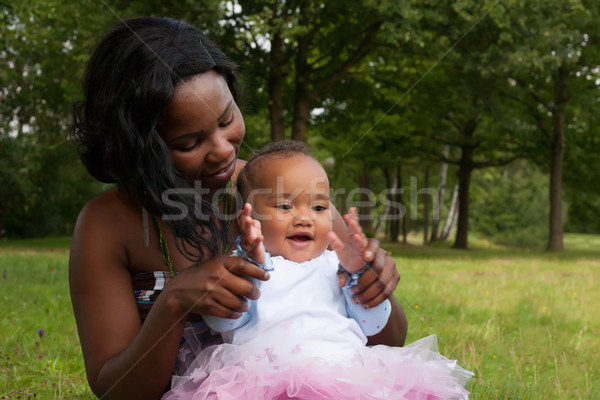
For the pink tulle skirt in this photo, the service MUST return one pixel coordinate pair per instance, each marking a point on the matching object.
(414, 372)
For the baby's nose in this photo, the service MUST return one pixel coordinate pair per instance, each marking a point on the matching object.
(304, 216)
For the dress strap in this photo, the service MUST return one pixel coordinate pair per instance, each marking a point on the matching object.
(164, 249)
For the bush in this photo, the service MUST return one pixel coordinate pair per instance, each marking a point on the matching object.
(510, 205)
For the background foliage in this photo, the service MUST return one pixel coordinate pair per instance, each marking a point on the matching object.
(388, 90)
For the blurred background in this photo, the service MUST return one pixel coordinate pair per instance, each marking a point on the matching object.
(483, 110)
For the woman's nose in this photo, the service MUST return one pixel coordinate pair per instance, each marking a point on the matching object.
(220, 150)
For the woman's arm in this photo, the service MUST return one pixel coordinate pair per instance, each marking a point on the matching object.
(118, 354)
(394, 333)
(375, 285)
(123, 358)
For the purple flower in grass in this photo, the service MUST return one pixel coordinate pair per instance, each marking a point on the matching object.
(41, 333)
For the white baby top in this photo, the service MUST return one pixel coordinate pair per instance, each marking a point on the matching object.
(279, 318)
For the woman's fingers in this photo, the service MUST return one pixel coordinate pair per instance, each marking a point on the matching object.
(239, 269)
(226, 305)
(378, 282)
(219, 287)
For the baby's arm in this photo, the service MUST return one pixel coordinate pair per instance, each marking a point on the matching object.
(249, 245)
(352, 263)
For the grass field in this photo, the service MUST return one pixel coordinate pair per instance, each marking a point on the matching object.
(525, 321)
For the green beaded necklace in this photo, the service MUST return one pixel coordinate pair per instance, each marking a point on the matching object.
(164, 248)
(227, 209)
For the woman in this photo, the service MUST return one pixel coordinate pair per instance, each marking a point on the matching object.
(159, 119)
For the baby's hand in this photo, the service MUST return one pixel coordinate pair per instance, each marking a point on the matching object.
(351, 253)
(252, 238)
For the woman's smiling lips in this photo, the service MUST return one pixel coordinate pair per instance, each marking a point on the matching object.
(221, 175)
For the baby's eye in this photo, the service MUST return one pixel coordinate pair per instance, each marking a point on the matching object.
(284, 206)
(319, 208)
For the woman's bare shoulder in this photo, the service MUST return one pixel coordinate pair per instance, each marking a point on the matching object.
(110, 218)
(108, 207)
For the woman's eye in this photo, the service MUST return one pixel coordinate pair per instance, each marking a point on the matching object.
(187, 147)
(223, 124)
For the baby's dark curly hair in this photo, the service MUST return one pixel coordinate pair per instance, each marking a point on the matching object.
(273, 150)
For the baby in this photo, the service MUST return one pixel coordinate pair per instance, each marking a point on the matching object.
(292, 209)
(297, 340)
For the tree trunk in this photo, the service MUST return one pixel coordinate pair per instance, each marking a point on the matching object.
(395, 228)
(464, 181)
(386, 211)
(452, 215)
(377, 229)
(276, 89)
(400, 198)
(2, 219)
(364, 211)
(426, 201)
(390, 213)
(302, 96)
(301, 114)
(555, 241)
(440, 192)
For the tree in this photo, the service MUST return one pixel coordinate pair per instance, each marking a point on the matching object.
(301, 49)
(552, 61)
(44, 47)
(468, 113)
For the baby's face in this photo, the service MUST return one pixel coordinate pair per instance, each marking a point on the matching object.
(290, 198)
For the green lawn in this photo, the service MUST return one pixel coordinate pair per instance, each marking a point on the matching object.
(34, 297)
(525, 321)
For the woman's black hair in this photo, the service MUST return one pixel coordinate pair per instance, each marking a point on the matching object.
(129, 80)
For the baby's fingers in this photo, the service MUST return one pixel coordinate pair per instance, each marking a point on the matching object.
(359, 242)
(250, 228)
(356, 234)
(336, 243)
(352, 221)
(351, 261)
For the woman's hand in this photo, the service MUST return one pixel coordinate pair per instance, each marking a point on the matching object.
(216, 287)
(379, 281)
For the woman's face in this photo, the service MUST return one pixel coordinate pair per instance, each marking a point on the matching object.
(203, 128)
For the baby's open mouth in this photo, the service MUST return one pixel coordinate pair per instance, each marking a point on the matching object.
(300, 237)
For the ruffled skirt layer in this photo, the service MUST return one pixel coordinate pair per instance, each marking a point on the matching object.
(414, 372)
